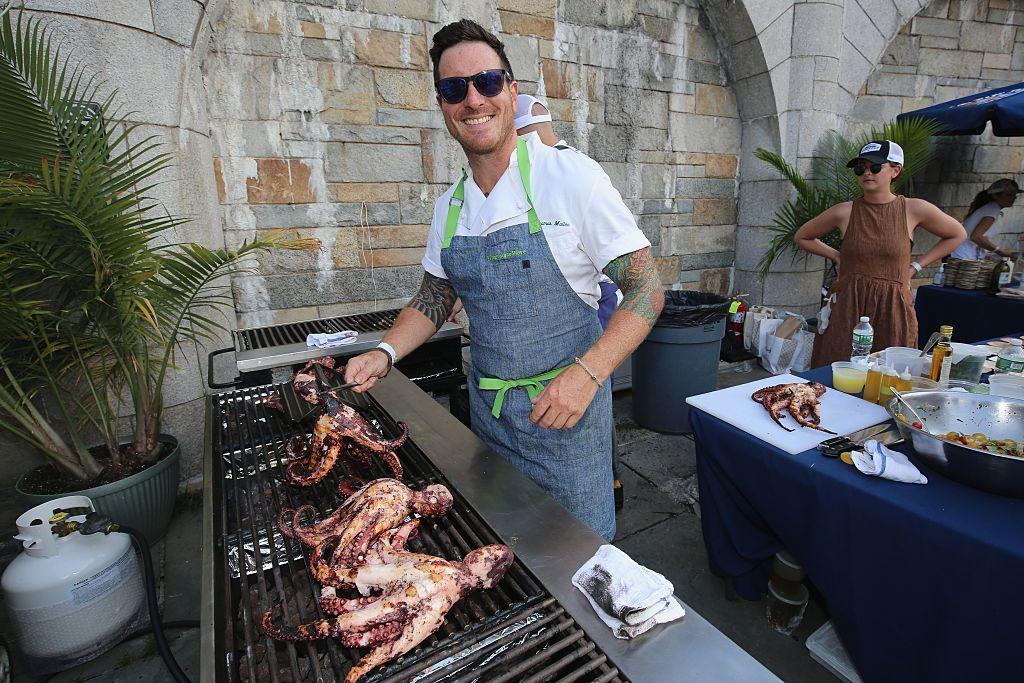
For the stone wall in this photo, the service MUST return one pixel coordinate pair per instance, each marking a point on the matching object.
(950, 50)
(324, 122)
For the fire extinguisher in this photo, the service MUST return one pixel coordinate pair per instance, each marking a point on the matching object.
(737, 314)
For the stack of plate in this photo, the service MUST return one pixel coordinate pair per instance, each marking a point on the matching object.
(968, 273)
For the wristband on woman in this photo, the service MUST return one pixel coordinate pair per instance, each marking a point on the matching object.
(916, 266)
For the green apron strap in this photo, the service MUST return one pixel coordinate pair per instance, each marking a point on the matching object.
(533, 386)
(523, 160)
(459, 196)
(454, 209)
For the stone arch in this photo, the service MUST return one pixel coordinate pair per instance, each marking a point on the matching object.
(749, 36)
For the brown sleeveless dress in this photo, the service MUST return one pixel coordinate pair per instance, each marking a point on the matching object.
(872, 281)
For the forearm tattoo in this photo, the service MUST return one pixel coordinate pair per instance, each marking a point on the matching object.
(436, 299)
(637, 277)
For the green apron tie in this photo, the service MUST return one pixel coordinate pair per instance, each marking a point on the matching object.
(532, 385)
(459, 197)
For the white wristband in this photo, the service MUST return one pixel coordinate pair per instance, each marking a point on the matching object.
(916, 266)
(390, 350)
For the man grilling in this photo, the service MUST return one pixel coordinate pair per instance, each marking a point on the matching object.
(523, 238)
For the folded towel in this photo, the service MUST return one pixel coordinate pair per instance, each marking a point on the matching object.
(669, 609)
(323, 340)
(630, 598)
(878, 461)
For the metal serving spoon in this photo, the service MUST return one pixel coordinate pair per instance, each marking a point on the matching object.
(932, 340)
(901, 399)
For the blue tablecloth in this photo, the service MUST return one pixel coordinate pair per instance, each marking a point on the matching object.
(973, 315)
(923, 582)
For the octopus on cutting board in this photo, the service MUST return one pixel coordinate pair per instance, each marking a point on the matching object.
(800, 399)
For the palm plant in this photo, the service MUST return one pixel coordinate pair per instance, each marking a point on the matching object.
(94, 302)
(830, 182)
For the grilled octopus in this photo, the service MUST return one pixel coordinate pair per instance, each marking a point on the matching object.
(340, 429)
(378, 507)
(415, 593)
(801, 400)
(343, 431)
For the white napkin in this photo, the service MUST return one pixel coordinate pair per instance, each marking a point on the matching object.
(878, 461)
(629, 598)
(323, 340)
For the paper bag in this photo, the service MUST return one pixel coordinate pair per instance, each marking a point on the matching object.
(778, 354)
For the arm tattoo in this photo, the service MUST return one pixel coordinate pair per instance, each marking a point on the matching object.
(637, 277)
(436, 299)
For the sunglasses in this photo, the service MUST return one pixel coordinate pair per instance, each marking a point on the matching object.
(488, 83)
(859, 169)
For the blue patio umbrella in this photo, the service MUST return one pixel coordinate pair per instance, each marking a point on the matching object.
(1004, 107)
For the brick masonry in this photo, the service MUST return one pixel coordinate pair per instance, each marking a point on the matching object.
(325, 123)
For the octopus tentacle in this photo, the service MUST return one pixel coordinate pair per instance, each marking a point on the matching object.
(333, 605)
(349, 486)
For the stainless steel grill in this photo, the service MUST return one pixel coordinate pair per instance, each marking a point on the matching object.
(295, 333)
(514, 632)
(262, 348)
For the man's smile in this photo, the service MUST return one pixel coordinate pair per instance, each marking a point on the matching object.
(476, 121)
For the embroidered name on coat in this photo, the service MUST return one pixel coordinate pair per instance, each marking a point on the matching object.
(505, 255)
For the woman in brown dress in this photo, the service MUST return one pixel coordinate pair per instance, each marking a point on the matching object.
(874, 261)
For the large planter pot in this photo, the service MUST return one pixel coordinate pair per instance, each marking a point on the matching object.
(143, 501)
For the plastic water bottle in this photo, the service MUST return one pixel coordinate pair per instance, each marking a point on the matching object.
(937, 279)
(863, 338)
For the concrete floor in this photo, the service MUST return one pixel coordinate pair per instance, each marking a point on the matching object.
(659, 527)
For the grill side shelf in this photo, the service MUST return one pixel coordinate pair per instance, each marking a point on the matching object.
(515, 631)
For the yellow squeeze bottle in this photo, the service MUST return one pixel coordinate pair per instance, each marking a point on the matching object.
(888, 380)
(873, 383)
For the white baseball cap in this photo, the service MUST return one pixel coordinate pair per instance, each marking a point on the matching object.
(879, 152)
(524, 111)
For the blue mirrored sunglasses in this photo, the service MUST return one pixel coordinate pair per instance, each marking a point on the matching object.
(488, 83)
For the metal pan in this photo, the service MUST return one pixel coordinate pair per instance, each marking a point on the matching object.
(947, 411)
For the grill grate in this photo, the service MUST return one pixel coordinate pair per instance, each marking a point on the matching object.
(295, 333)
(513, 632)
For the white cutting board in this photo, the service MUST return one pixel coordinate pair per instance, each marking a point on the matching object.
(842, 413)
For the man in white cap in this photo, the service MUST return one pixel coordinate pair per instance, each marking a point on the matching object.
(532, 116)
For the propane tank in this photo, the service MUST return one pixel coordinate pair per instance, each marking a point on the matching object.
(70, 597)
(737, 314)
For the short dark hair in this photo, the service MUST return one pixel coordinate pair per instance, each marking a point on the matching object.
(464, 31)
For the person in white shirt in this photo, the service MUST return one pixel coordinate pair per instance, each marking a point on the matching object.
(982, 222)
(522, 238)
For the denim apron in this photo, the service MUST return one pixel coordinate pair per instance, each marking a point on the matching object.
(527, 326)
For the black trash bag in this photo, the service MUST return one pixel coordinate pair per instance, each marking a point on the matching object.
(689, 309)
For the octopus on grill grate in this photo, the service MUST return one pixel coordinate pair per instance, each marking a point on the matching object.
(340, 429)
(379, 506)
(405, 599)
(800, 399)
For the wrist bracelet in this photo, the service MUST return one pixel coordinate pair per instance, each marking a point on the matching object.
(389, 351)
(916, 266)
(579, 361)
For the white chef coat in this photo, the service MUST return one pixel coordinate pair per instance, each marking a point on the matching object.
(969, 249)
(583, 217)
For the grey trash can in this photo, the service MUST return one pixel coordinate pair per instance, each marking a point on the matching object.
(673, 363)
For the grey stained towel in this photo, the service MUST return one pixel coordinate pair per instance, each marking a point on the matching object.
(630, 598)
